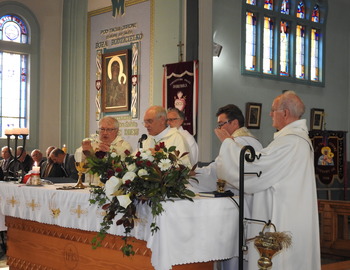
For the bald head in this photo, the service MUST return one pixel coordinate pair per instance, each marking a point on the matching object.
(286, 108)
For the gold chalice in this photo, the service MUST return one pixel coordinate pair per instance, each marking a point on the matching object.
(81, 168)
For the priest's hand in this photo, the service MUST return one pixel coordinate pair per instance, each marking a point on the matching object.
(105, 147)
(222, 134)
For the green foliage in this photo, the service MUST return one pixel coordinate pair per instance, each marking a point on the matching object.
(151, 177)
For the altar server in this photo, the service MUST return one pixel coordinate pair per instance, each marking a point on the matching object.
(285, 193)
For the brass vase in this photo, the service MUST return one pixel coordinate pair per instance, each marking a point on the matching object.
(268, 244)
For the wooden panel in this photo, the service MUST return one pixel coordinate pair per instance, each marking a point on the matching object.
(33, 245)
(334, 230)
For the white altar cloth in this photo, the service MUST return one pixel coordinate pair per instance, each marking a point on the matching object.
(190, 232)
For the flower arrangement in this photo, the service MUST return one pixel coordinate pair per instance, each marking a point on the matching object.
(150, 176)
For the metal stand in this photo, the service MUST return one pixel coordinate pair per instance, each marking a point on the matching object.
(249, 157)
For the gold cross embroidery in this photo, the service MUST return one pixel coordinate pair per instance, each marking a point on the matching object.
(78, 211)
(33, 205)
(12, 201)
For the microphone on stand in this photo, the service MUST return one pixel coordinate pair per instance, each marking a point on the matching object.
(143, 137)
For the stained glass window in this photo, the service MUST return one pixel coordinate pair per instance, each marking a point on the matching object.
(251, 2)
(268, 4)
(285, 7)
(301, 10)
(293, 51)
(315, 37)
(13, 75)
(315, 14)
(300, 52)
(250, 46)
(268, 45)
(284, 48)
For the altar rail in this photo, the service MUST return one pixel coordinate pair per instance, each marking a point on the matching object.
(335, 227)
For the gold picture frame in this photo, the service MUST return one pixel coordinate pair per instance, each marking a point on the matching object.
(116, 81)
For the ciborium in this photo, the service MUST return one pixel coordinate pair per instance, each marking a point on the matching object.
(82, 168)
(269, 243)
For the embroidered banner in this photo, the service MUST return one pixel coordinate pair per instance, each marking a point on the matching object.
(180, 90)
(330, 156)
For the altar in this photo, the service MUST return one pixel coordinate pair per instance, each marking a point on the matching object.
(53, 229)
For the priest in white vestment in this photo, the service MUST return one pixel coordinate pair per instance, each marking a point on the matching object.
(155, 121)
(230, 121)
(285, 193)
(107, 140)
(176, 119)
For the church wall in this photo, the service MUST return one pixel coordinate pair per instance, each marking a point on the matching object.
(229, 86)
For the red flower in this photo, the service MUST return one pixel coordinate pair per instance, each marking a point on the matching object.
(138, 154)
(148, 163)
(162, 145)
(100, 154)
(110, 173)
(127, 152)
(157, 147)
(118, 169)
(127, 182)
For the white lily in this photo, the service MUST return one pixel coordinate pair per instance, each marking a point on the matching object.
(111, 186)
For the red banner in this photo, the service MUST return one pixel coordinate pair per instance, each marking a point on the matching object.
(180, 90)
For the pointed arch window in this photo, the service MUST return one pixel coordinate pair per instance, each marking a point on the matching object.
(284, 40)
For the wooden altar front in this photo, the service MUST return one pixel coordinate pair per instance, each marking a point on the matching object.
(34, 245)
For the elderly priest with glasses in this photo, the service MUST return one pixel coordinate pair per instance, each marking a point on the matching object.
(107, 140)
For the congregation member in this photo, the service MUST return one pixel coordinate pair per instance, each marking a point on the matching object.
(155, 121)
(48, 168)
(6, 161)
(230, 124)
(285, 193)
(66, 161)
(176, 119)
(26, 161)
(37, 157)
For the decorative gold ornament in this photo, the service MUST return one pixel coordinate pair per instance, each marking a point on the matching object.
(269, 243)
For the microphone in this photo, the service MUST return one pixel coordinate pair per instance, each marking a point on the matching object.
(143, 137)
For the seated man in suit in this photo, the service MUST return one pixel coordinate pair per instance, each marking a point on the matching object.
(26, 161)
(50, 169)
(5, 162)
(66, 161)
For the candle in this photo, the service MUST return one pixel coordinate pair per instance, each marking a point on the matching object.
(16, 131)
(8, 131)
(24, 131)
(36, 169)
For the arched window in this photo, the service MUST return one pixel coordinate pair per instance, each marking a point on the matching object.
(284, 39)
(19, 37)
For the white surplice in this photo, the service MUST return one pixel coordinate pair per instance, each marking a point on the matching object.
(170, 137)
(191, 143)
(285, 193)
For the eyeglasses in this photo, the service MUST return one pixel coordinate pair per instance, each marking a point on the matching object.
(276, 110)
(173, 119)
(220, 125)
(106, 129)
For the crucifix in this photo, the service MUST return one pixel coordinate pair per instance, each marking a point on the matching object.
(180, 45)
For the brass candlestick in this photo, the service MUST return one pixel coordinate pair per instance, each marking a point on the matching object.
(268, 244)
(82, 169)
